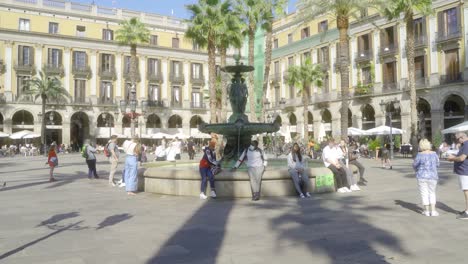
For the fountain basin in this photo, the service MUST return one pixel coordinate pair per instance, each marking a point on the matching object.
(234, 129)
(184, 179)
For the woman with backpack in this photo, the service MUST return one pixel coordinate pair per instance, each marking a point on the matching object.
(256, 164)
(89, 153)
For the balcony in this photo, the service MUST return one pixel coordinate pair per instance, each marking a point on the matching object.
(53, 69)
(420, 42)
(197, 105)
(198, 80)
(25, 98)
(177, 78)
(451, 78)
(285, 76)
(448, 36)
(363, 56)
(390, 86)
(154, 77)
(25, 69)
(106, 100)
(80, 101)
(126, 76)
(155, 103)
(275, 78)
(176, 104)
(364, 89)
(324, 64)
(388, 49)
(107, 74)
(82, 71)
(2, 67)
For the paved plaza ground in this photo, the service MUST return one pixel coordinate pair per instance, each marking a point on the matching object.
(76, 220)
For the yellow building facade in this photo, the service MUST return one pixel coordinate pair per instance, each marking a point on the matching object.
(75, 42)
(378, 71)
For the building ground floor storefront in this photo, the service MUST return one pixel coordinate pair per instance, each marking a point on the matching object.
(438, 108)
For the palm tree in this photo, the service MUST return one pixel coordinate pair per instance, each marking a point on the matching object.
(206, 24)
(409, 8)
(230, 37)
(47, 88)
(272, 8)
(251, 12)
(132, 33)
(304, 77)
(342, 11)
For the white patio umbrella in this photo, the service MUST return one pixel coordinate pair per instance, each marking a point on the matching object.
(20, 134)
(32, 135)
(458, 128)
(3, 134)
(384, 130)
(160, 135)
(353, 131)
(200, 135)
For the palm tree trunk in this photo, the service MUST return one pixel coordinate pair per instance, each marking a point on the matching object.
(133, 68)
(223, 52)
(305, 102)
(411, 81)
(343, 24)
(268, 50)
(212, 77)
(251, 89)
(43, 124)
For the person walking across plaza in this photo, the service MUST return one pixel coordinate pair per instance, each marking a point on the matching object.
(91, 160)
(256, 164)
(52, 160)
(385, 157)
(296, 171)
(207, 162)
(113, 150)
(132, 148)
(460, 167)
(425, 164)
(191, 148)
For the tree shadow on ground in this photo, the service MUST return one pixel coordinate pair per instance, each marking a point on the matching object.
(341, 233)
(113, 220)
(200, 238)
(57, 218)
(51, 223)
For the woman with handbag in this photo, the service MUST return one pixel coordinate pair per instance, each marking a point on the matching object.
(207, 164)
(52, 160)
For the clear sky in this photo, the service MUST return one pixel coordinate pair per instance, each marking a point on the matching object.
(162, 7)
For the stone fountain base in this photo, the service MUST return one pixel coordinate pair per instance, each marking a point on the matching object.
(184, 179)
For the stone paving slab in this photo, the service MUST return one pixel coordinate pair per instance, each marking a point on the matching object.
(76, 220)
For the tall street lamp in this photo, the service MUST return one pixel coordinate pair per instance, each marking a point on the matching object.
(132, 104)
(389, 108)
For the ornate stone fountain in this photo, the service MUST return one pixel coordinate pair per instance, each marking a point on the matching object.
(238, 131)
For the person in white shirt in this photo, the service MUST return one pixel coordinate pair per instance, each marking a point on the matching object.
(160, 153)
(256, 164)
(132, 149)
(330, 158)
(296, 171)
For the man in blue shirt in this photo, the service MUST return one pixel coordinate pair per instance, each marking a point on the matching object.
(460, 167)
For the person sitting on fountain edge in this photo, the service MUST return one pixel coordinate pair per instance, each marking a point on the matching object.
(256, 164)
(296, 170)
(206, 164)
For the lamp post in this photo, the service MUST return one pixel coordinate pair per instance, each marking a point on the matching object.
(389, 108)
(132, 104)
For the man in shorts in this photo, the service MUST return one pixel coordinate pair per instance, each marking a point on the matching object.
(460, 167)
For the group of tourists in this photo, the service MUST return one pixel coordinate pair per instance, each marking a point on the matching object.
(426, 163)
(132, 149)
(168, 150)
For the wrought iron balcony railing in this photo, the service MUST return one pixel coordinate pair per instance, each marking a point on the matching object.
(54, 69)
(387, 49)
(82, 71)
(364, 56)
(154, 77)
